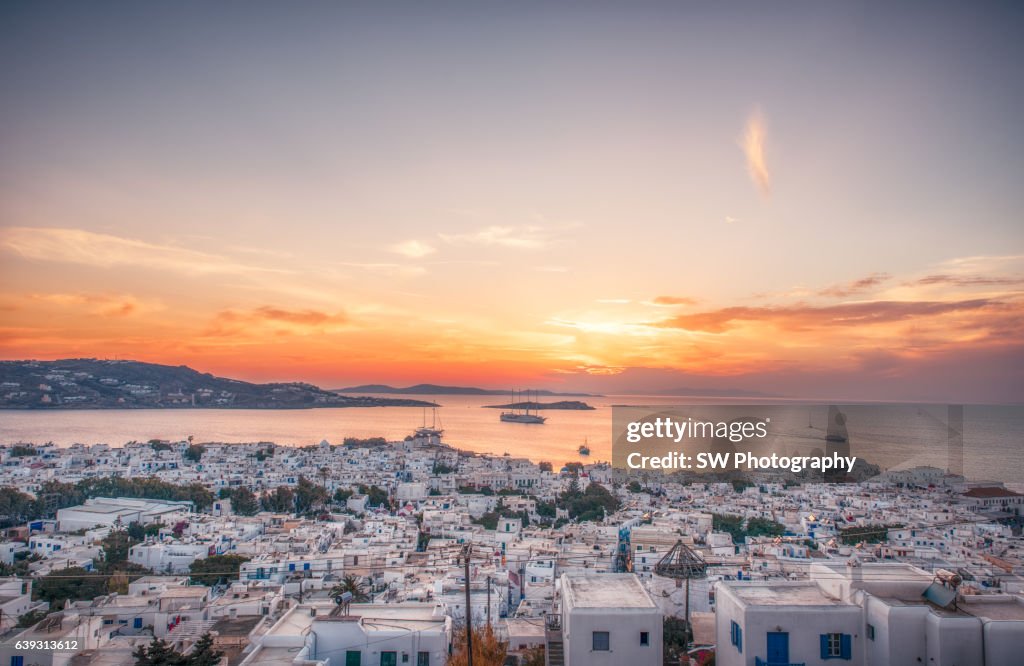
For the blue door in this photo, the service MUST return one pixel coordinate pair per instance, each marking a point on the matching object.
(778, 647)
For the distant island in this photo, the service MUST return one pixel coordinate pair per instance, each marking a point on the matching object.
(87, 383)
(563, 404)
(434, 389)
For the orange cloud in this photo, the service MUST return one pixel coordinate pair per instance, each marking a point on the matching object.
(804, 317)
(282, 321)
(674, 300)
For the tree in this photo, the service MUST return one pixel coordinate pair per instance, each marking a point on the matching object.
(212, 570)
(281, 500)
(31, 618)
(195, 452)
(675, 638)
(243, 500)
(158, 653)
(351, 584)
(545, 466)
(203, 653)
(487, 649)
(341, 495)
(74, 583)
(764, 527)
(374, 496)
(117, 545)
(309, 496)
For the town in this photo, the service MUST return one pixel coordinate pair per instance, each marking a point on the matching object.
(377, 552)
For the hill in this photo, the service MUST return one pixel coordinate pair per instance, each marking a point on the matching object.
(87, 383)
(561, 404)
(434, 389)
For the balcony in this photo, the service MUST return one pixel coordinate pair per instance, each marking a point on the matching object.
(758, 661)
(553, 622)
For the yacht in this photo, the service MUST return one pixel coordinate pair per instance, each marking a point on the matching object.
(517, 416)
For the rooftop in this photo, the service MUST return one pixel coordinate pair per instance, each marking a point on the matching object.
(593, 590)
(787, 593)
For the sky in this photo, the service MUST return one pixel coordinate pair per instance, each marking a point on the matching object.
(812, 200)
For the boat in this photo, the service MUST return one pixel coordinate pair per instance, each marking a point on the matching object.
(584, 450)
(516, 416)
(434, 430)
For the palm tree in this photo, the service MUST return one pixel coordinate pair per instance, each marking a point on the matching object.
(353, 584)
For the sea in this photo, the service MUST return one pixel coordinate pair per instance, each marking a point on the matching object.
(895, 436)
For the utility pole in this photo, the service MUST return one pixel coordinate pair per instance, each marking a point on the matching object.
(467, 553)
(488, 601)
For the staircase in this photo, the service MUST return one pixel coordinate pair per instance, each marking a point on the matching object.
(554, 649)
(554, 654)
(190, 631)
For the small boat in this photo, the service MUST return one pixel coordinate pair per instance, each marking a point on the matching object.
(516, 416)
(584, 450)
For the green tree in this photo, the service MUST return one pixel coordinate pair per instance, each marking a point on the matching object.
(195, 452)
(244, 502)
(74, 583)
(158, 653)
(212, 570)
(764, 527)
(353, 584)
(203, 654)
(116, 546)
(281, 500)
(309, 496)
(31, 618)
(374, 496)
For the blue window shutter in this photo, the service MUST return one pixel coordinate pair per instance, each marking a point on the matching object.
(844, 646)
(739, 638)
(824, 646)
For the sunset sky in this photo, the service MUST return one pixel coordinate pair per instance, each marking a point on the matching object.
(814, 201)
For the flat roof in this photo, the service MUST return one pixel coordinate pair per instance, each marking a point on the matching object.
(799, 593)
(608, 590)
(1004, 609)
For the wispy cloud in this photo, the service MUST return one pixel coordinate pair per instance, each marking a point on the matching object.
(78, 246)
(520, 238)
(413, 249)
(803, 317)
(674, 300)
(753, 145)
(856, 286)
(104, 305)
(236, 323)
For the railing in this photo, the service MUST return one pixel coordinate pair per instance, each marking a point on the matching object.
(758, 661)
(553, 622)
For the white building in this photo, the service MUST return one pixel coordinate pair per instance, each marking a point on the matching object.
(865, 613)
(107, 512)
(604, 619)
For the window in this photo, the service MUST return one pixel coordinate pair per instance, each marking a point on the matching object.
(736, 636)
(137, 624)
(422, 659)
(645, 638)
(836, 646)
(353, 658)
(601, 641)
(388, 659)
(871, 632)
(17, 660)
